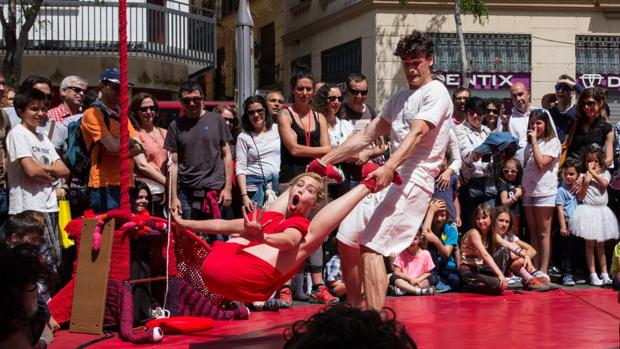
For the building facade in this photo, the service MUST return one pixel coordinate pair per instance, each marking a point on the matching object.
(168, 40)
(268, 48)
(529, 41)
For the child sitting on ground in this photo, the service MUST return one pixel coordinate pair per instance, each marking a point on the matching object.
(449, 193)
(412, 268)
(521, 253)
(443, 239)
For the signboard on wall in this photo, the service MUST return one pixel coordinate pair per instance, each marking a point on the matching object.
(485, 81)
(610, 81)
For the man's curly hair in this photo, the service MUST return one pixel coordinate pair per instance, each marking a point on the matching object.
(414, 44)
(342, 326)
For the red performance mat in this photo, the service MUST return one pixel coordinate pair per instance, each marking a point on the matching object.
(557, 319)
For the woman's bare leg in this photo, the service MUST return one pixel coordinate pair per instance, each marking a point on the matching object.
(330, 216)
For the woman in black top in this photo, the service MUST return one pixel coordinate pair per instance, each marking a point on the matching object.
(305, 137)
(303, 131)
(591, 127)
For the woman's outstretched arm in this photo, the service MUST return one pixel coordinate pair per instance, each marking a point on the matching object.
(210, 226)
(331, 215)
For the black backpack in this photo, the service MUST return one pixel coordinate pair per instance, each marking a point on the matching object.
(77, 156)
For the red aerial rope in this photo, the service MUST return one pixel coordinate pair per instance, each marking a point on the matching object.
(124, 103)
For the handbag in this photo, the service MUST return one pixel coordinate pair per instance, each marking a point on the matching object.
(64, 217)
(567, 142)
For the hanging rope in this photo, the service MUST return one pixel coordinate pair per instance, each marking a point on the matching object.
(124, 104)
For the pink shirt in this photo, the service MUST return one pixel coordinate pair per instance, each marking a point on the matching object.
(415, 266)
(154, 147)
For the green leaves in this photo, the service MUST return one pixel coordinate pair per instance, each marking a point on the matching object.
(478, 8)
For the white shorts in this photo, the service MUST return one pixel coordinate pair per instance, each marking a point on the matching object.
(539, 201)
(386, 222)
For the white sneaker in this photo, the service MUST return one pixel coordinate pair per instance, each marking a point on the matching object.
(540, 274)
(606, 280)
(595, 281)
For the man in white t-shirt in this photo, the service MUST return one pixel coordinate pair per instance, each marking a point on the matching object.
(418, 121)
(34, 167)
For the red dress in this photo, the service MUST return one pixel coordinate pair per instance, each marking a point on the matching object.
(232, 272)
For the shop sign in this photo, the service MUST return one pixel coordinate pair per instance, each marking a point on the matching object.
(485, 81)
(610, 81)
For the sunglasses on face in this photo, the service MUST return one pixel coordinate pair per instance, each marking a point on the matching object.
(334, 98)
(229, 120)
(478, 112)
(492, 111)
(3, 83)
(256, 112)
(509, 171)
(147, 108)
(76, 89)
(563, 87)
(188, 100)
(358, 92)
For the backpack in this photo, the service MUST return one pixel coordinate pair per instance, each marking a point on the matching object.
(77, 156)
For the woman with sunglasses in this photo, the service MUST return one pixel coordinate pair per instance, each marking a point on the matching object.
(492, 111)
(476, 170)
(329, 102)
(144, 110)
(589, 126)
(258, 153)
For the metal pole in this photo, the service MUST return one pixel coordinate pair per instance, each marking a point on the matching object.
(245, 53)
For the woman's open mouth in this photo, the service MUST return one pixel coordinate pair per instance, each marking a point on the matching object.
(295, 201)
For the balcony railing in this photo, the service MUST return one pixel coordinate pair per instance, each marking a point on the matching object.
(174, 31)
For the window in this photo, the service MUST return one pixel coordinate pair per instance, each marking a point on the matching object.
(267, 60)
(485, 52)
(340, 61)
(598, 54)
(305, 61)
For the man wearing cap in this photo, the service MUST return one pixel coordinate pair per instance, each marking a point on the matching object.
(104, 179)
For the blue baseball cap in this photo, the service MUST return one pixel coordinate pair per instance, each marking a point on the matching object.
(112, 75)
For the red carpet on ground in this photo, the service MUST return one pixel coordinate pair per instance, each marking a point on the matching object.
(556, 319)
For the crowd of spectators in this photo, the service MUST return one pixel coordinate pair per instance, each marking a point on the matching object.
(538, 211)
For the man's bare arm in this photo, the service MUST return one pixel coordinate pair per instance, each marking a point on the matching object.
(354, 144)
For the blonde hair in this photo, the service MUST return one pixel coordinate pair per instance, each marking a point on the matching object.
(320, 194)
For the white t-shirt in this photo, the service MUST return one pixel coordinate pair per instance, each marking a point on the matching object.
(518, 125)
(248, 163)
(539, 182)
(26, 193)
(340, 132)
(431, 103)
